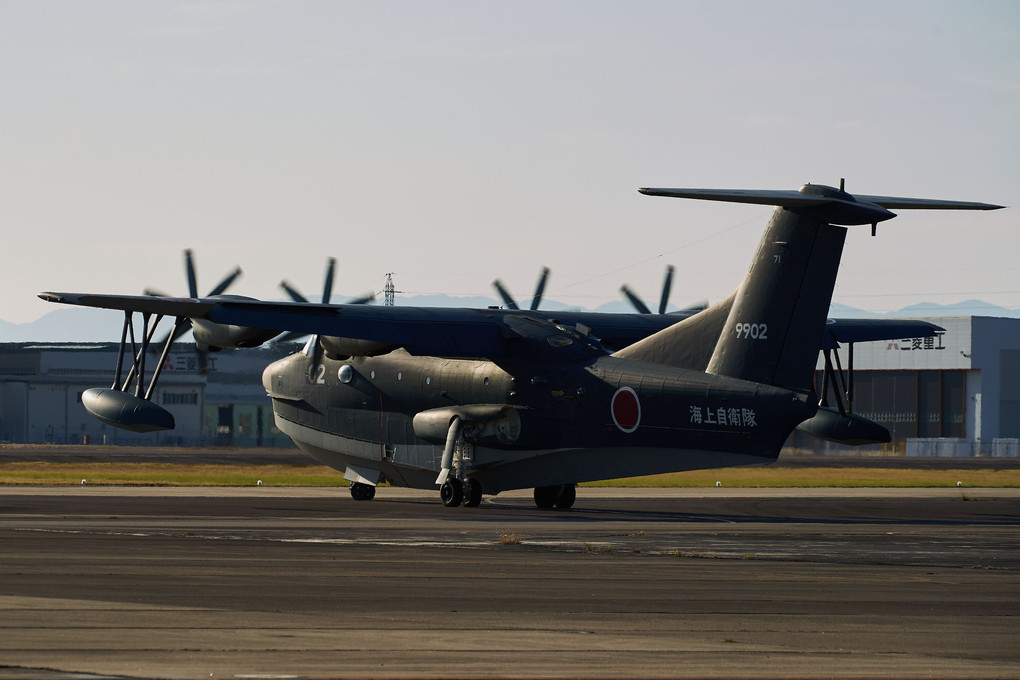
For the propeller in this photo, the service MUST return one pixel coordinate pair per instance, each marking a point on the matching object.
(536, 300)
(640, 306)
(184, 325)
(327, 294)
(327, 290)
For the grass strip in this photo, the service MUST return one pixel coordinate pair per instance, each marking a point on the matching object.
(169, 474)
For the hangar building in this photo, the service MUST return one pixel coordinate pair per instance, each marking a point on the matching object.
(220, 404)
(962, 385)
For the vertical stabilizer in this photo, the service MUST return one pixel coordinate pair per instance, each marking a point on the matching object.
(774, 328)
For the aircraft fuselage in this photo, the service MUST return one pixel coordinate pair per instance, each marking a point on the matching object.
(557, 424)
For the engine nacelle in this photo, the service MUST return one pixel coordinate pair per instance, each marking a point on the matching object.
(353, 347)
(214, 336)
(495, 424)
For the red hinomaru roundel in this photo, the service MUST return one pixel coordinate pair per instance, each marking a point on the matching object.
(626, 409)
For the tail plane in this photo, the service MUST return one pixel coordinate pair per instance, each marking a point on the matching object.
(770, 329)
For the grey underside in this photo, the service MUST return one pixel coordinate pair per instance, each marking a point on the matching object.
(501, 470)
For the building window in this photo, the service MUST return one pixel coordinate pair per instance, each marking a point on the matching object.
(180, 398)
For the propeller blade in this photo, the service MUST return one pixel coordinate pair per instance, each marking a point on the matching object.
(183, 326)
(293, 292)
(635, 300)
(313, 349)
(327, 291)
(540, 289)
(290, 336)
(203, 362)
(694, 307)
(667, 285)
(503, 293)
(189, 269)
(225, 283)
(363, 300)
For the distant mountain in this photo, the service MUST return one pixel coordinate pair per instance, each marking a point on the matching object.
(928, 309)
(67, 324)
(79, 324)
(965, 308)
(847, 312)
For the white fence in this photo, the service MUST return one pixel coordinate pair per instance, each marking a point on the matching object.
(950, 447)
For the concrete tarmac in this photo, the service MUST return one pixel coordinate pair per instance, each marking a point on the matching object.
(271, 583)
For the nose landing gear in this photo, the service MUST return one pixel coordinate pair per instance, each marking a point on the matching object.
(451, 492)
(454, 492)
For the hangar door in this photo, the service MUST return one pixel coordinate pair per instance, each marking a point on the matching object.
(911, 403)
(47, 414)
(1009, 393)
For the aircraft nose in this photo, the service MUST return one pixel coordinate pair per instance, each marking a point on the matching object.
(276, 381)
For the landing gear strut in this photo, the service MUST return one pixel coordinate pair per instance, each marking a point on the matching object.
(456, 487)
(560, 495)
(362, 492)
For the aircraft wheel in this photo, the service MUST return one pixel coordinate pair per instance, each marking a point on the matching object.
(472, 493)
(545, 496)
(362, 492)
(567, 497)
(451, 493)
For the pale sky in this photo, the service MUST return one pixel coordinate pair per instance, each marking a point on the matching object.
(456, 142)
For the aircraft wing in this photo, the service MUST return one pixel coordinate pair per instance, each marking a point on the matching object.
(449, 332)
(426, 331)
(166, 306)
(869, 330)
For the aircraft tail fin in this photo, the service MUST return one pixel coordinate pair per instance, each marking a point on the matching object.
(770, 329)
(774, 328)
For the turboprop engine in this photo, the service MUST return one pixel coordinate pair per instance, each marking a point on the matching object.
(341, 348)
(212, 337)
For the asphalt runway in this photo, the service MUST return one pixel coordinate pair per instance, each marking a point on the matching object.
(269, 583)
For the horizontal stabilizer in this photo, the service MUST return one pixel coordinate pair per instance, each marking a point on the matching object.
(832, 205)
(815, 194)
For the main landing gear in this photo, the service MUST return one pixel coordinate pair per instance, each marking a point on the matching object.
(453, 492)
(468, 493)
(362, 492)
(561, 496)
